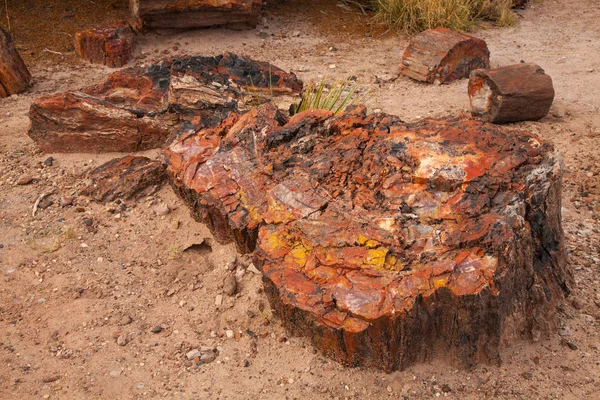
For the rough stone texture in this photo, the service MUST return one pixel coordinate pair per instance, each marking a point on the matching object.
(111, 45)
(14, 76)
(441, 55)
(125, 178)
(143, 108)
(126, 113)
(384, 242)
(514, 93)
(186, 14)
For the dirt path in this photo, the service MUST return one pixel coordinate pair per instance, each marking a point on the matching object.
(74, 278)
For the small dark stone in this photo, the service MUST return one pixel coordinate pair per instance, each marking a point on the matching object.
(572, 346)
(45, 203)
(48, 161)
(246, 363)
(1, 246)
(446, 388)
(527, 375)
(577, 304)
(157, 329)
(87, 222)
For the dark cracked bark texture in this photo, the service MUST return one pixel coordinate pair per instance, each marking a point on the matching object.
(386, 243)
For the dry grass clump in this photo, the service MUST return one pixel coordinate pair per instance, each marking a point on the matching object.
(335, 97)
(460, 15)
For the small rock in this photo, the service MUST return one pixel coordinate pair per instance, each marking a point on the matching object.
(446, 388)
(49, 161)
(1, 246)
(577, 304)
(295, 34)
(156, 329)
(66, 201)
(126, 320)
(527, 375)
(246, 363)
(193, 354)
(253, 269)
(219, 300)
(25, 180)
(230, 285)
(558, 112)
(122, 340)
(208, 357)
(87, 222)
(263, 34)
(116, 373)
(45, 203)
(84, 245)
(229, 333)
(161, 210)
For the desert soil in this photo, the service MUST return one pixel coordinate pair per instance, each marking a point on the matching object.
(75, 278)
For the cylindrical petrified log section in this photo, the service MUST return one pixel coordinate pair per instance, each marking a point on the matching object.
(14, 76)
(442, 55)
(386, 243)
(514, 93)
(111, 45)
(187, 14)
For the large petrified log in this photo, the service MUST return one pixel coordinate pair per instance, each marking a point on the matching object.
(441, 55)
(142, 108)
(14, 76)
(130, 177)
(384, 242)
(111, 44)
(126, 113)
(185, 14)
(514, 93)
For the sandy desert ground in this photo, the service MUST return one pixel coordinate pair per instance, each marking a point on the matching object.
(74, 278)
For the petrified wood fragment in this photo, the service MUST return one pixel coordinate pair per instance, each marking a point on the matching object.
(186, 14)
(126, 113)
(143, 108)
(111, 45)
(14, 76)
(384, 242)
(125, 178)
(514, 93)
(441, 55)
(227, 82)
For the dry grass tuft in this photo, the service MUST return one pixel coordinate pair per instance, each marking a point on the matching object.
(460, 15)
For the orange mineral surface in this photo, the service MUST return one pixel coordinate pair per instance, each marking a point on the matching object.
(385, 242)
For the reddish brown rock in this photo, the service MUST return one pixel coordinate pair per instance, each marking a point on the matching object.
(188, 14)
(384, 242)
(142, 108)
(441, 55)
(514, 93)
(226, 81)
(126, 113)
(111, 45)
(125, 178)
(14, 76)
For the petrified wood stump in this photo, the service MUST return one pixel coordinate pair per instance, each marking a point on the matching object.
(514, 93)
(384, 242)
(441, 55)
(188, 14)
(14, 76)
(111, 45)
(130, 177)
(142, 108)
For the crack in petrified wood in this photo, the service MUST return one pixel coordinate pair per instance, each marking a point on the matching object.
(386, 242)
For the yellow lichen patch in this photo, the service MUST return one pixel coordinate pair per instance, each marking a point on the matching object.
(440, 281)
(298, 255)
(376, 258)
(274, 244)
(368, 243)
